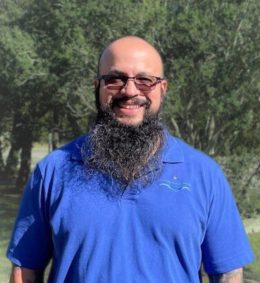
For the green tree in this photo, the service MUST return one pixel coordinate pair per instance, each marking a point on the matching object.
(49, 52)
(213, 54)
(20, 72)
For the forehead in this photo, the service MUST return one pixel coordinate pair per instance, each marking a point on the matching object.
(131, 57)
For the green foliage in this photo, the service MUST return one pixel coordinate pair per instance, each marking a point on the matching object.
(243, 173)
(49, 52)
(214, 73)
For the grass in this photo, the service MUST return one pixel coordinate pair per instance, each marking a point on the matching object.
(252, 271)
(8, 209)
(9, 201)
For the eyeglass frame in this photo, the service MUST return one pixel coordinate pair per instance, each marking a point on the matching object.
(158, 80)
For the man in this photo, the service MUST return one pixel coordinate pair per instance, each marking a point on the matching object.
(128, 202)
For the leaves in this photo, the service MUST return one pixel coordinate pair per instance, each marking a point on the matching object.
(49, 52)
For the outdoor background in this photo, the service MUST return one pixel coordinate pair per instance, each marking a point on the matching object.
(48, 59)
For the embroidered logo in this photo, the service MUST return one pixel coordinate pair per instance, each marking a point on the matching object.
(176, 185)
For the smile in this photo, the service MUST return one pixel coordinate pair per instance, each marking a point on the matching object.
(129, 106)
(133, 103)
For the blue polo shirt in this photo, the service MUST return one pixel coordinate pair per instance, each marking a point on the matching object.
(96, 233)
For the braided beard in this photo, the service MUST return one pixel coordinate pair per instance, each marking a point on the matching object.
(125, 152)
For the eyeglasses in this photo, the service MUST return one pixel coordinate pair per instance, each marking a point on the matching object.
(117, 82)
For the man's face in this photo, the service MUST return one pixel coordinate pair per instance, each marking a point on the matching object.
(129, 104)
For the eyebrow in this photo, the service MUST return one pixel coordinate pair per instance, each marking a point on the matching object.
(117, 72)
(121, 73)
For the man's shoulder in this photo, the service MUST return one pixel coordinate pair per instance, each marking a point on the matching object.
(187, 153)
(71, 151)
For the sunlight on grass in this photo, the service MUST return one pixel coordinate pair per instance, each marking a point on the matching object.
(253, 270)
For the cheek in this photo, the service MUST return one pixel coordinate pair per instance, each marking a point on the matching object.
(156, 100)
(104, 98)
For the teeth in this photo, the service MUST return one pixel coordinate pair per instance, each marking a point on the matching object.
(129, 103)
(129, 106)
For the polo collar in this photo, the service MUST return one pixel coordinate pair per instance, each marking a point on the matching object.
(77, 148)
(172, 151)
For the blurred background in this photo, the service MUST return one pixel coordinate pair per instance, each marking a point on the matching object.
(48, 60)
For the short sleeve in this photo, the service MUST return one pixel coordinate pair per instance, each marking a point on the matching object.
(30, 244)
(225, 246)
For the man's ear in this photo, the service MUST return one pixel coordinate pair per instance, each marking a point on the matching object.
(96, 83)
(164, 85)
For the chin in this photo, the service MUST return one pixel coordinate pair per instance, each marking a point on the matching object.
(130, 121)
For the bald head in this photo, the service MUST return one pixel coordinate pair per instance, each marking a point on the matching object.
(130, 57)
(130, 49)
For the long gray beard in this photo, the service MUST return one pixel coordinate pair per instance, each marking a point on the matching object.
(124, 152)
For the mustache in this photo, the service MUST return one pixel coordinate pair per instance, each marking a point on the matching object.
(138, 101)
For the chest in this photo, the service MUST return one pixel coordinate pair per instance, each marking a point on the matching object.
(173, 207)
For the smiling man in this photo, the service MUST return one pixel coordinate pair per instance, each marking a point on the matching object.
(131, 80)
(128, 202)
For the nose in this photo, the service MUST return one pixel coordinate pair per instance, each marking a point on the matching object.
(130, 88)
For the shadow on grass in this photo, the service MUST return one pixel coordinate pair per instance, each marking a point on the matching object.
(9, 200)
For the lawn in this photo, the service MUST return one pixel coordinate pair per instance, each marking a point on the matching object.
(8, 209)
(253, 270)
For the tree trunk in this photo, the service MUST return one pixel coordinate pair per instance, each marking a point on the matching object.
(55, 129)
(76, 131)
(12, 161)
(25, 163)
(55, 139)
(2, 165)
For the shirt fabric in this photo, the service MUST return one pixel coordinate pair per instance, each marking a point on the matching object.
(96, 233)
